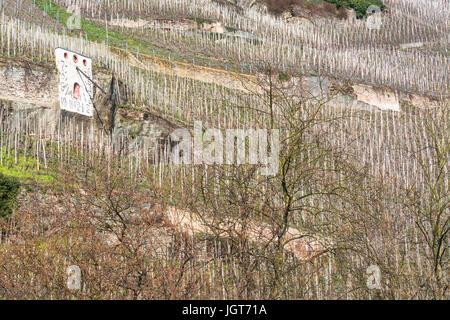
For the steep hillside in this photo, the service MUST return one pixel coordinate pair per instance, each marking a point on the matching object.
(236, 149)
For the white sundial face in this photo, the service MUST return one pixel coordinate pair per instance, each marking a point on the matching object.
(75, 86)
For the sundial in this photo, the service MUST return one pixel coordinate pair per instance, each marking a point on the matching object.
(75, 84)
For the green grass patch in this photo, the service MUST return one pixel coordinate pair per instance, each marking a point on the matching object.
(129, 107)
(24, 168)
(23, 175)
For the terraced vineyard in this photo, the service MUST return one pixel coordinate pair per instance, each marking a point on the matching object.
(356, 115)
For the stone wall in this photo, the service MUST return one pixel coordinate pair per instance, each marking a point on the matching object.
(31, 90)
(344, 94)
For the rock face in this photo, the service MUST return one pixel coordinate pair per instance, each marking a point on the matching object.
(303, 246)
(142, 125)
(382, 99)
(216, 27)
(287, 15)
(30, 91)
(343, 94)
